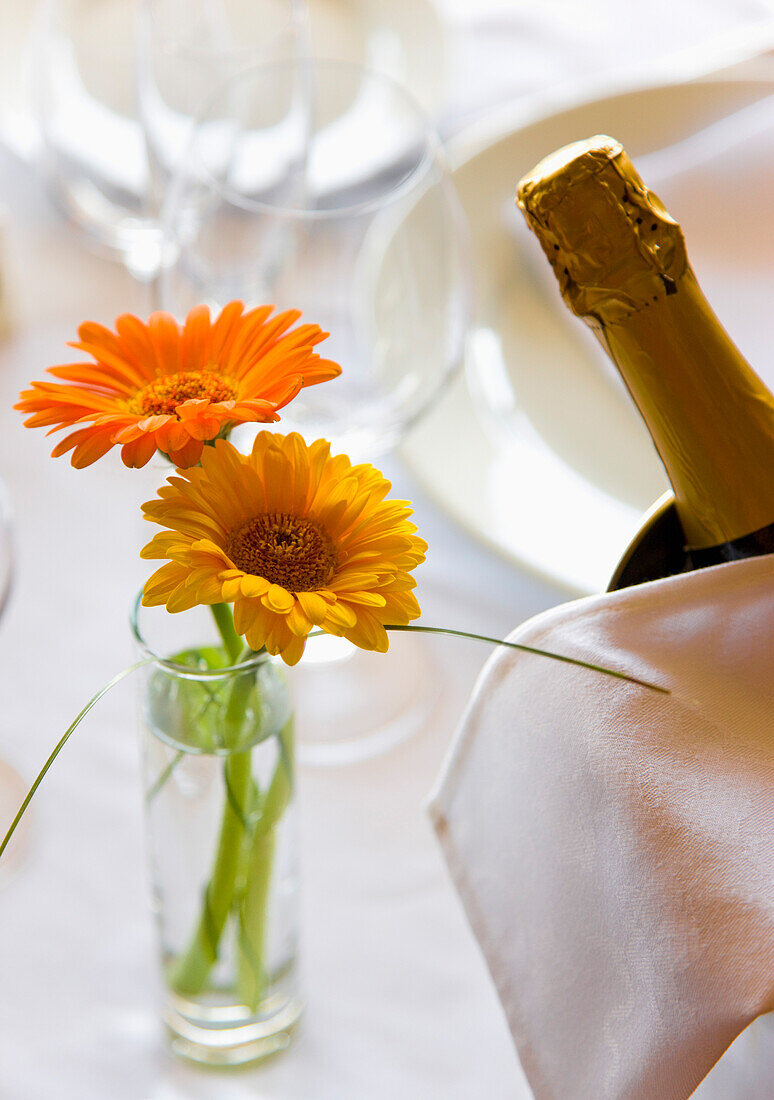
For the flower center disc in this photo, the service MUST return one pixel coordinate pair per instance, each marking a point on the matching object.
(284, 549)
(162, 397)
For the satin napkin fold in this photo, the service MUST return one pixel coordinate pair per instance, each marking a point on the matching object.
(613, 846)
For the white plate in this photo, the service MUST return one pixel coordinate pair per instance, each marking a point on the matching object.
(537, 449)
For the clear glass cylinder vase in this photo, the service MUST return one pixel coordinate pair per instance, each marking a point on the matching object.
(217, 744)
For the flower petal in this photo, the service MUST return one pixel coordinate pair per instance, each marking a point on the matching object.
(278, 599)
(369, 556)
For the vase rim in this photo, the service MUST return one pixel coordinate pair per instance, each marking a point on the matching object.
(187, 671)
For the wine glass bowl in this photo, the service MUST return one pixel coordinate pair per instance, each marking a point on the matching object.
(321, 186)
(189, 48)
(93, 156)
(117, 86)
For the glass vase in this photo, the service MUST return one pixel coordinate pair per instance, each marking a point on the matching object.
(217, 745)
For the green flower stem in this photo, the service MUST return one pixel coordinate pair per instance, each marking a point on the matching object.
(253, 911)
(159, 783)
(189, 973)
(224, 620)
(411, 628)
(253, 920)
(63, 741)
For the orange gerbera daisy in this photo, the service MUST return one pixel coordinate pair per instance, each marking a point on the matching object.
(173, 388)
(294, 537)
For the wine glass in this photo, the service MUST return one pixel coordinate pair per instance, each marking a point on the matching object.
(321, 185)
(116, 87)
(327, 191)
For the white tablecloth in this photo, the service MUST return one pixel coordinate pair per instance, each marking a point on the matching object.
(399, 1001)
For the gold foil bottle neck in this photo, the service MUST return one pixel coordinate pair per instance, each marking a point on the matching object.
(612, 244)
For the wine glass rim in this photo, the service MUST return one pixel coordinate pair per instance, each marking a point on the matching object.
(186, 671)
(432, 146)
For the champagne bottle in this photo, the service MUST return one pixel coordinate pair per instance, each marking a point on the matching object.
(622, 266)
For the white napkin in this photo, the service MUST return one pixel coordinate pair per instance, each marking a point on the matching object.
(614, 847)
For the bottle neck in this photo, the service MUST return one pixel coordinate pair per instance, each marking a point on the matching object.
(710, 416)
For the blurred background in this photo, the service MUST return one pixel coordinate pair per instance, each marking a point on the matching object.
(356, 159)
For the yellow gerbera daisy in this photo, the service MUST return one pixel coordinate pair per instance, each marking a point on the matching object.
(174, 387)
(294, 537)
